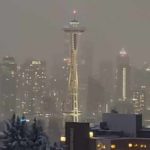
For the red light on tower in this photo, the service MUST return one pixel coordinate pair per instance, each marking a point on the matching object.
(74, 12)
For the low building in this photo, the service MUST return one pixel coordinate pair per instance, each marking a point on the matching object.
(116, 132)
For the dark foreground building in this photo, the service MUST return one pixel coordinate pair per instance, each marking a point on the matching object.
(75, 140)
(116, 132)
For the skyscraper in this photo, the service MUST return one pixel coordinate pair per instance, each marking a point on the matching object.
(95, 100)
(59, 83)
(32, 79)
(107, 79)
(8, 71)
(138, 98)
(123, 76)
(85, 63)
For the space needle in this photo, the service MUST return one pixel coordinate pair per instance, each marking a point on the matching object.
(74, 30)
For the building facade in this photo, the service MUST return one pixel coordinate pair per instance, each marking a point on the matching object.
(8, 74)
(106, 75)
(32, 84)
(95, 100)
(138, 98)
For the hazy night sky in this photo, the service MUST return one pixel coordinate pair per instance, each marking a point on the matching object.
(34, 27)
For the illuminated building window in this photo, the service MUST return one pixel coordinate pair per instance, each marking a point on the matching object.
(91, 134)
(98, 145)
(103, 147)
(141, 145)
(113, 146)
(54, 94)
(145, 146)
(63, 139)
(130, 145)
(36, 62)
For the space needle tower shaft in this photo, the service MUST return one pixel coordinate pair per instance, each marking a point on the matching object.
(74, 31)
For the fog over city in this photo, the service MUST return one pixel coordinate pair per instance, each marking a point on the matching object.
(34, 28)
(74, 67)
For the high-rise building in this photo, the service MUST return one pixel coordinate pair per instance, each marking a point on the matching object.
(32, 80)
(123, 76)
(106, 74)
(141, 91)
(85, 64)
(59, 84)
(95, 100)
(8, 71)
(138, 98)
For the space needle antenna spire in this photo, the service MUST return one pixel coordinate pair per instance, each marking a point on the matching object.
(75, 14)
(74, 30)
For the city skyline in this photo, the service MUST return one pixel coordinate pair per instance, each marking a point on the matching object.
(78, 71)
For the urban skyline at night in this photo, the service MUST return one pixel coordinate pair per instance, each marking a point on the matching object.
(74, 75)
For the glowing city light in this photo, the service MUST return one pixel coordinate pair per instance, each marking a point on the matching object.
(74, 12)
(123, 52)
(91, 134)
(63, 139)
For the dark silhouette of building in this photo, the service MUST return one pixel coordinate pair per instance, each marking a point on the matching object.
(119, 134)
(116, 132)
(75, 140)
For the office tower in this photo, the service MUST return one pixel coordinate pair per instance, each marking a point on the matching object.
(8, 71)
(59, 83)
(32, 79)
(85, 64)
(141, 82)
(141, 78)
(106, 75)
(74, 30)
(95, 100)
(123, 76)
(138, 98)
